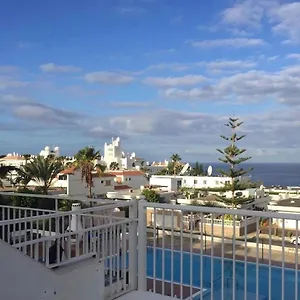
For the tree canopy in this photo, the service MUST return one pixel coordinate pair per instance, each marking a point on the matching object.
(232, 158)
(40, 170)
(86, 161)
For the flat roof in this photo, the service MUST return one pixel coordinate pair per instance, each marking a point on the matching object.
(290, 202)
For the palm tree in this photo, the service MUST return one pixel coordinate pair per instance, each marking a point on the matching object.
(114, 166)
(85, 160)
(175, 158)
(40, 170)
(4, 171)
(26, 157)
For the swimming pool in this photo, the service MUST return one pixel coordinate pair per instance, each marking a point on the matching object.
(214, 265)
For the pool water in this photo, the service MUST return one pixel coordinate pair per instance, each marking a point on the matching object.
(192, 264)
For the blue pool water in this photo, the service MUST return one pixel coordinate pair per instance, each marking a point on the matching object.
(215, 265)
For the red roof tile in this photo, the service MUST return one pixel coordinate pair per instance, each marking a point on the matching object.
(122, 187)
(127, 173)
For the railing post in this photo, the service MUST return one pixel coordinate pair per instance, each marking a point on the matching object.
(142, 245)
(133, 229)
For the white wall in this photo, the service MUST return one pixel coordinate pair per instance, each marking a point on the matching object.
(77, 187)
(204, 181)
(26, 279)
(169, 183)
(135, 181)
(23, 278)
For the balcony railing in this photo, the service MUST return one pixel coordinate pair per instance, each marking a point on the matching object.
(192, 264)
(57, 239)
(153, 249)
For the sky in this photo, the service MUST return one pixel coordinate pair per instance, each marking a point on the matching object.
(163, 75)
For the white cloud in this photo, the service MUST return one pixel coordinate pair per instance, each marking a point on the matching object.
(293, 56)
(234, 43)
(130, 104)
(54, 68)
(231, 64)
(7, 82)
(273, 57)
(174, 81)
(108, 78)
(248, 13)
(285, 18)
(249, 87)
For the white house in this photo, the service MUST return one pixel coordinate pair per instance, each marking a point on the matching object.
(174, 182)
(133, 178)
(156, 167)
(286, 206)
(71, 179)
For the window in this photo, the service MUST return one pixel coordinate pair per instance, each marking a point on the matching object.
(204, 182)
(184, 181)
(129, 178)
(102, 181)
(217, 182)
(62, 177)
(107, 182)
(195, 181)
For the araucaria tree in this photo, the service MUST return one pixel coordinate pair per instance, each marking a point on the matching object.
(232, 157)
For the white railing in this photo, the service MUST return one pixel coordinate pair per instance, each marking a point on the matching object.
(206, 263)
(191, 265)
(57, 239)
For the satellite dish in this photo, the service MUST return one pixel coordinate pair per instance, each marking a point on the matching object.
(209, 170)
(184, 169)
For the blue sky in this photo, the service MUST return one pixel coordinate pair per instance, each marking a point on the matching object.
(164, 75)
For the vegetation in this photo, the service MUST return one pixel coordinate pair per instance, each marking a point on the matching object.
(151, 195)
(114, 166)
(40, 170)
(175, 163)
(4, 171)
(198, 170)
(26, 157)
(85, 161)
(232, 158)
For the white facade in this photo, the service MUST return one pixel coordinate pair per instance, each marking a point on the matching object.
(197, 182)
(133, 178)
(103, 183)
(166, 183)
(113, 152)
(13, 159)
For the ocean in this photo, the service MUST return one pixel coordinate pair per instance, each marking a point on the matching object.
(284, 174)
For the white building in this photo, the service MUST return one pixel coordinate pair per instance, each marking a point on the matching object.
(286, 206)
(133, 178)
(103, 182)
(113, 153)
(13, 159)
(174, 182)
(156, 167)
(47, 151)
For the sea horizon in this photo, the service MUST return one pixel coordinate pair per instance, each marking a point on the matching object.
(278, 173)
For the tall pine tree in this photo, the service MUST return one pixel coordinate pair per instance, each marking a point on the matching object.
(232, 158)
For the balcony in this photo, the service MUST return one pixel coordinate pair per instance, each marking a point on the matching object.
(134, 249)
